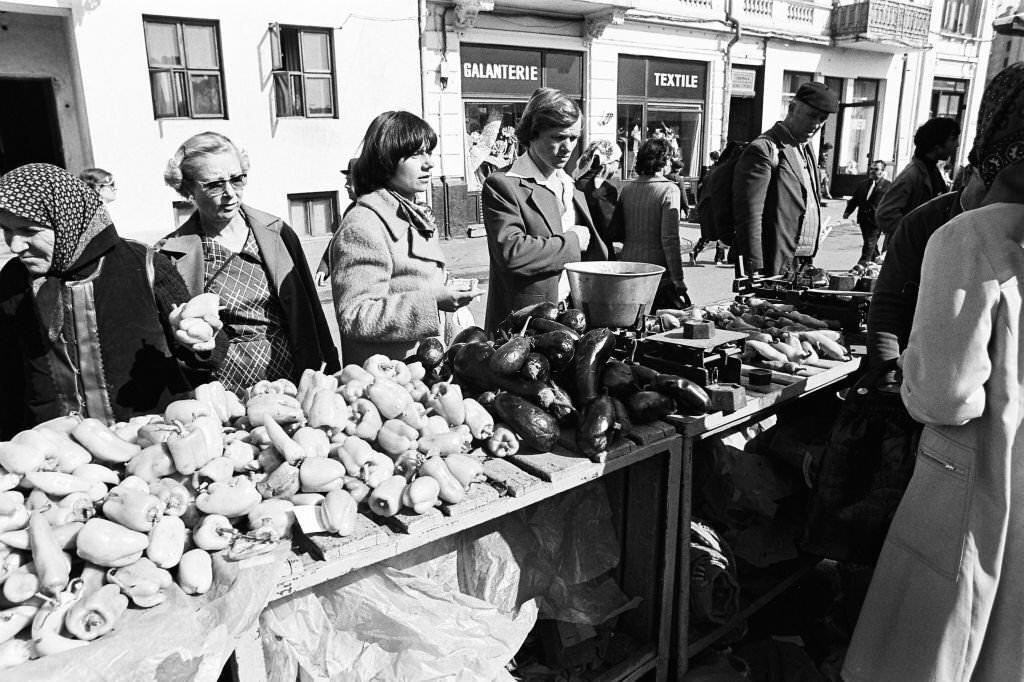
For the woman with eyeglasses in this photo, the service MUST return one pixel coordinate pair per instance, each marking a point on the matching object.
(254, 261)
(101, 181)
(87, 319)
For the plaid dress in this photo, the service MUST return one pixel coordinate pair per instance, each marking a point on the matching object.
(253, 318)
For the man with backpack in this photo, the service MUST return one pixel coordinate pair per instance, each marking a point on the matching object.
(777, 189)
(715, 206)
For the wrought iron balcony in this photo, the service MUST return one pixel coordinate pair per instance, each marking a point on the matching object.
(885, 25)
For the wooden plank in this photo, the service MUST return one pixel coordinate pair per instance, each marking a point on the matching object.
(643, 434)
(642, 547)
(549, 466)
(510, 478)
(368, 533)
(478, 495)
(417, 523)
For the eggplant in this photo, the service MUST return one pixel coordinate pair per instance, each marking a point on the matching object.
(534, 426)
(471, 335)
(622, 419)
(442, 372)
(558, 346)
(536, 367)
(597, 427)
(430, 353)
(517, 318)
(453, 350)
(509, 358)
(689, 397)
(473, 370)
(617, 379)
(573, 319)
(540, 325)
(486, 398)
(592, 352)
(648, 406)
(643, 376)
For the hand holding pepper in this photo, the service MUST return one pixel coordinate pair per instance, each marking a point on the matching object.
(197, 321)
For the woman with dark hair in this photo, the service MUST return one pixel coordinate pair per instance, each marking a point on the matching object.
(274, 322)
(536, 220)
(647, 220)
(101, 181)
(87, 319)
(388, 276)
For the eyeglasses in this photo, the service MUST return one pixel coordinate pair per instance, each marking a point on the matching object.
(110, 184)
(217, 187)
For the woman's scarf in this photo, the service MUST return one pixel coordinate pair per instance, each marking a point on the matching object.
(419, 215)
(999, 141)
(52, 197)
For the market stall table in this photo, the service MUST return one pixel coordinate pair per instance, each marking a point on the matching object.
(648, 460)
(762, 400)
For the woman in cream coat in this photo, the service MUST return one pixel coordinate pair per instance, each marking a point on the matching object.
(388, 272)
(945, 602)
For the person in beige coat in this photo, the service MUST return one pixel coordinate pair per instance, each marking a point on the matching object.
(388, 277)
(945, 602)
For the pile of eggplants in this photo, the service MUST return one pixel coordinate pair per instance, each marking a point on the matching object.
(543, 369)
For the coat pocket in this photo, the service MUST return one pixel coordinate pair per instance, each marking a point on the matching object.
(932, 518)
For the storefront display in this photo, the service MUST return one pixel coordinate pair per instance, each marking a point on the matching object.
(850, 135)
(661, 98)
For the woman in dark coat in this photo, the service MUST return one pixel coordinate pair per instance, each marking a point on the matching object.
(84, 314)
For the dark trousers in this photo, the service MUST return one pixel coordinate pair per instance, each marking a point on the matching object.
(870, 232)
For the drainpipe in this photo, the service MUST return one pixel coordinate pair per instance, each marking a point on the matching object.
(442, 79)
(727, 86)
(899, 118)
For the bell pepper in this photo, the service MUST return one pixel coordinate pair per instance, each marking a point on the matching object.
(234, 405)
(272, 519)
(290, 450)
(415, 416)
(217, 469)
(133, 509)
(435, 424)
(386, 498)
(230, 498)
(188, 410)
(52, 566)
(353, 390)
(65, 424)
(16, 517)
(20, 459)
(135, 483)
(328, 410)
(307, 499)
(419, 391)
(97, 473)
(383, 367)
(338, 512)
(320, 474)
(213, 533)
(465, 468)
(354, 373)
(195, 572)
(14, 652)
(365, 421)
(502, 443)
(96, 613)
(408, 464)
(421, 495)
(189, 450)
(305, 385)
(284, 387)
(283, 482)
(354, 453)
(64, 534)
(16, 618)
(46, 637)
(166, 541)
(396, 437)
(268, 460)
(9, 481)
(280, 407)
(54, 483)
(102, 443)
(22, 584)
(241, 454)
(60, 452)
(378, 469)
(357, 489)
(390, 398)
(10, 561)
(318, 382)
(215, 395)
(450, 490)
(156, 432)
(446, 400)
(153, 463)
(80, 507)
(313, 442)
(446, 443)
(143, 582)
(417, 372)
(258, 437)
(478, 419)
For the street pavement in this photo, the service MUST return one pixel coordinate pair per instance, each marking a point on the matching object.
(707, 283)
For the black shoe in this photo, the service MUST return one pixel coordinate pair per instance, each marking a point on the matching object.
(693, 260)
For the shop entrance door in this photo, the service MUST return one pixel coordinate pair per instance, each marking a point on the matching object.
(680, 125)
(28, 123)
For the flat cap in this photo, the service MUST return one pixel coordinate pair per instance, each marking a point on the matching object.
(818, 96)
(351, 164)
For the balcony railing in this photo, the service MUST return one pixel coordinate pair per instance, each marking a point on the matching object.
(887, 22)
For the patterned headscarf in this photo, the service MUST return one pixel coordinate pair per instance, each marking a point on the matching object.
(51, 196)
(999, 141)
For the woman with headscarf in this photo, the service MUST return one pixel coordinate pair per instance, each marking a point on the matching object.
(254, 261)
(598, 170)
(945, 599)
(84, 314)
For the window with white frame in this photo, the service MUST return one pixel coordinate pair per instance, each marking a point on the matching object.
(961, 16)
(303, 71)
(313, 213)
(186, 76)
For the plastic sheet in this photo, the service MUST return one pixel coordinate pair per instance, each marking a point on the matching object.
(184, 638)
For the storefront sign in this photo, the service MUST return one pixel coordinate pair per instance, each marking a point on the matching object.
(673, 79)
(500, 71)
(743, 83)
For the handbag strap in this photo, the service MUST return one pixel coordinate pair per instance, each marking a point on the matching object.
(869, 380)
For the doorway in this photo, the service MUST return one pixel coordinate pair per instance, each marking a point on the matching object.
(29, 132)
(679, 124)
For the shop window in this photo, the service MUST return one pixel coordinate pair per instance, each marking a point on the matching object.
(961, 16)
(791, 82)
(186, 76)
(949, 97)
(303, 71)
(313, 213)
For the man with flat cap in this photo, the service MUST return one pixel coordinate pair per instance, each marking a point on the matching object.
(777, 189)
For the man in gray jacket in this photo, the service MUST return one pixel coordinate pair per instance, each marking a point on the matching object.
(777, 190)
